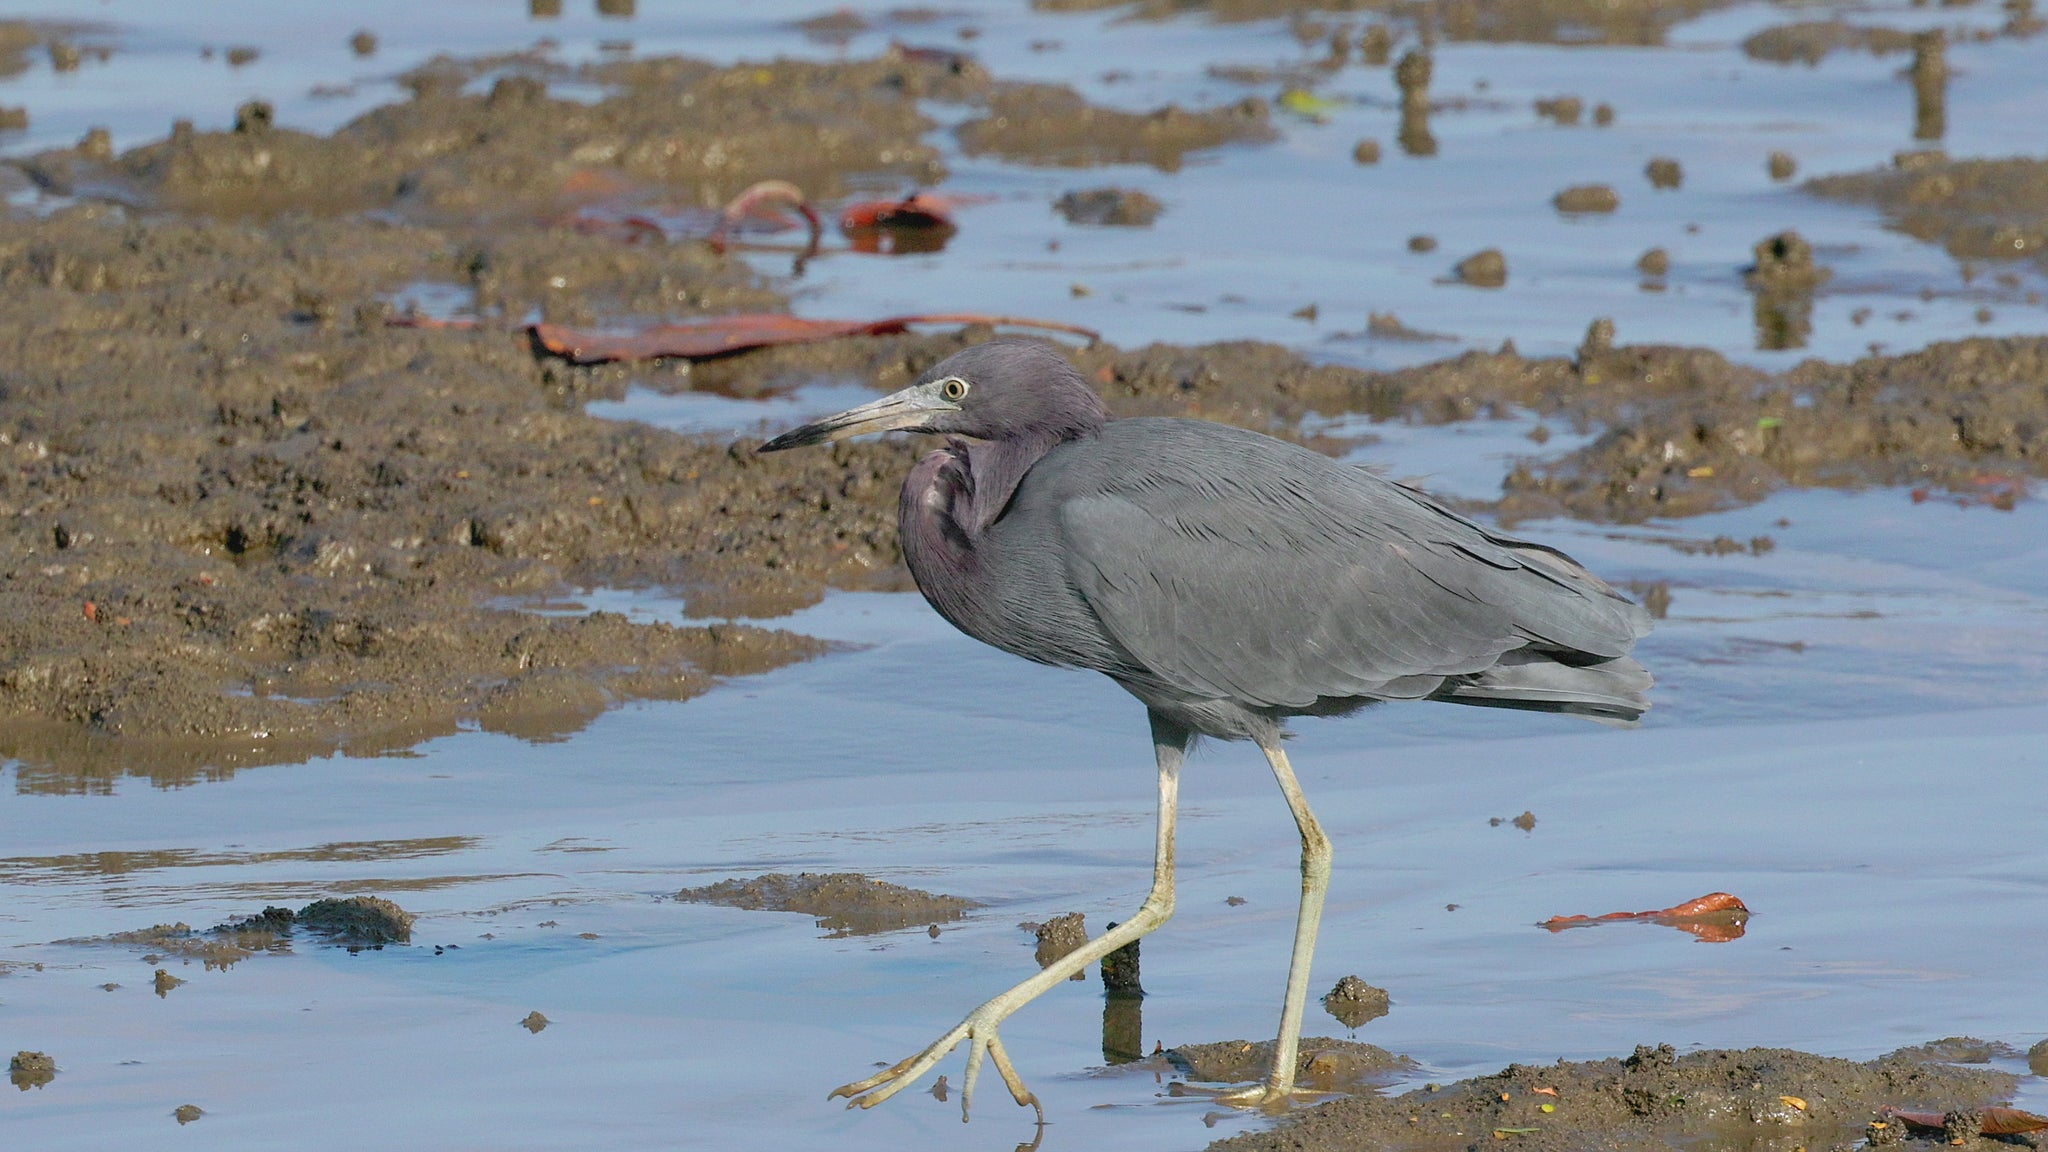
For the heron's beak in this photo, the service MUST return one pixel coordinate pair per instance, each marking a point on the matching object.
(911, 408)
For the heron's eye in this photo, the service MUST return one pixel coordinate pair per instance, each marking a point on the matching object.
(954, 388)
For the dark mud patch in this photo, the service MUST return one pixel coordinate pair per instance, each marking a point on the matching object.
(1109, 207)
(1057, 937)
(1355, 1003)
(1995, 210)
(1483, 269)
(1810, 41)
(1326, 1064)
(355, 921)
(693, 130)
(1052, 125)
(1758, 1097)
(845, 903)
(26, 1070)
(350, 922)
(534, 1022)
(1687, 431)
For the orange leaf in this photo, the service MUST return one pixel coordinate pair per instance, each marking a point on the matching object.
(917, 210)
(1715, 918)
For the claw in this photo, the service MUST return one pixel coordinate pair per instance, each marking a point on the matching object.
(982, 1042)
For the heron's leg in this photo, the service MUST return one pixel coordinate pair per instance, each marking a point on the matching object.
(1315, 883)
(1170, 744)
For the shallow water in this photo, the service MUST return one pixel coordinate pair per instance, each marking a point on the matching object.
(1849, 731)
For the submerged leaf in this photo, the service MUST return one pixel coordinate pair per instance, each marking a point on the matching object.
(1715, 918)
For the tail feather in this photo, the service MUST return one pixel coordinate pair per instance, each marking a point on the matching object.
(1614, 690)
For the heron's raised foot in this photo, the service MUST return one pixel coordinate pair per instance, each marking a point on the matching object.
(979, 1030)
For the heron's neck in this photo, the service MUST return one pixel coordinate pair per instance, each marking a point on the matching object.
(996, 468)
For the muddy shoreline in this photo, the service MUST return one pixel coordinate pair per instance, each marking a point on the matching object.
(250, 522)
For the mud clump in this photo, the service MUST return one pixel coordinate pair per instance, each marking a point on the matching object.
(31, 1069)
(1654, 263)
(1976, 209)
(1109, 207)
(1664, 172)
(1957, 1050)
(1781, 166)
(1122, 973)
(186, 1113)
(163, 983)
(1810, 41)
(1354, 1002)
(534, 1022)
(1325, 1064)
(1366, 152)
(1487, 269)
(1655, 1098)
(1587, 198)
(1411, 77)
(1054, 126)
(844, 903)
(363, 43)
(1783, 280)
(1784, 263)
(1058, 937)
(1563, 110)
(1930, 84)
(358, 921)
(13, 118)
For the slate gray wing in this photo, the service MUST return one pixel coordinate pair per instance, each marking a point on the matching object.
(1311, 580)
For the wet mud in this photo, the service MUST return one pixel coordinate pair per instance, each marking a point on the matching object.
(352, 922)
(298, 530)
(1979, 210)
(1810, 41)
(1355, 1003)
(26, 1070)
(1326, 1064)
(1654, 1099)
(1052, 125)
(844, 903)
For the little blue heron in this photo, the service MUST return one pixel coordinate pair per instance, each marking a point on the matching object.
(1229, 581)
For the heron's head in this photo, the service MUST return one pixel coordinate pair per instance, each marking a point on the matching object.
(1001, 390)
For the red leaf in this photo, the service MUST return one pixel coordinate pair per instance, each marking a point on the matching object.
(704, 339)
(1716, 918)
(917, 210)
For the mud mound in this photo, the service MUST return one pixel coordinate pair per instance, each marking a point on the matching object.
(369, 921)
(1354, 1002)
(1325, 1064)
(1977, 209)
(1809, 41)
(26, 1070)
(1052, 125)
(1654, 1099)
(845, 903)
(699, 131)
(237, 516)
